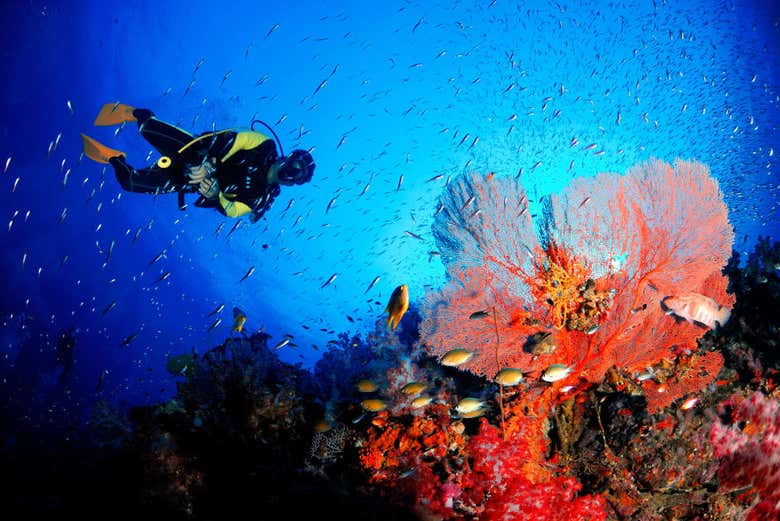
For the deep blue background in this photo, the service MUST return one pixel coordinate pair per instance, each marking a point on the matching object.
(696, 80)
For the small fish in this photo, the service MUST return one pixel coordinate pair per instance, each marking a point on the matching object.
(127, 340)
(556, 372)
(479, 315)
(70, 108)
(373, 405)
(239, 319)
(163, 277)
(413, 235)
(234, 228)
(322, 426)
(419, 22)
(248, 274)
(373, 283)
(469, 405)
(102, 376)
(216, 324)
(271, 30)
(281, 120)
(400, 182)
(330, 204)
(319, 87)
(158, 257)
(217, 309)
(421, 401)
(197, 65)
(592, 329)
(407, 473)
(330, 280)
(584, 201)
(397, 305)
(509, 376)
(108, 308)
(689, 403)
(7, 164)
(283, 343)
(413, 388)
(366, 386)
(225, 77)
(220, 226)
(456, 357)
(187, 90)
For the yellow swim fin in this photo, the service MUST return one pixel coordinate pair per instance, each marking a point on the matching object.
(97, 151)
(114, 114)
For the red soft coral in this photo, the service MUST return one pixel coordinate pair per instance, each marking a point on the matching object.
(749, 449)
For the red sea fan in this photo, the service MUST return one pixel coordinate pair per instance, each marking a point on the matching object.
(614, 247)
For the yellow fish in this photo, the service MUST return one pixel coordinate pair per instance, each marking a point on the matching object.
(456, 357)
(421, 401)
(322, 426)
(509, 376)
(556, 372)
(399, 303)
(373, 405)
(366, 386)
(413, 388)
(239, 319)
(469, 406)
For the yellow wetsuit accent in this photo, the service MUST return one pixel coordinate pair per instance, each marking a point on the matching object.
(245, 140)
(233, 208)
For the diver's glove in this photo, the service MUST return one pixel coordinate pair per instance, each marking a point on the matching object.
(209, 188)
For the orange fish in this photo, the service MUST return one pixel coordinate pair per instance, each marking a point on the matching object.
(397, 306)
(697, 308)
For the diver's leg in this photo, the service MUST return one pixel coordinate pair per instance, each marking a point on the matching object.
(164, 137)
(147, 180)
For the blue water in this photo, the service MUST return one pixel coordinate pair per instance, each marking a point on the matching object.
(406, 81)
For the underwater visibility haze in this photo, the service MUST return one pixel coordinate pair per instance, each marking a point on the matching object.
(391, 260)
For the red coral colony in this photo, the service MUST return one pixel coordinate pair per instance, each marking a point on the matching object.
(584, 367)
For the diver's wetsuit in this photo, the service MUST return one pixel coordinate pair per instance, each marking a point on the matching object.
(242, 162)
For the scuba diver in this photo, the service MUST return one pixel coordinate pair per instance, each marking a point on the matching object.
(235, 172)
(64, 353)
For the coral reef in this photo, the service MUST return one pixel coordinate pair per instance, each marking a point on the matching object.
(747, 442)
